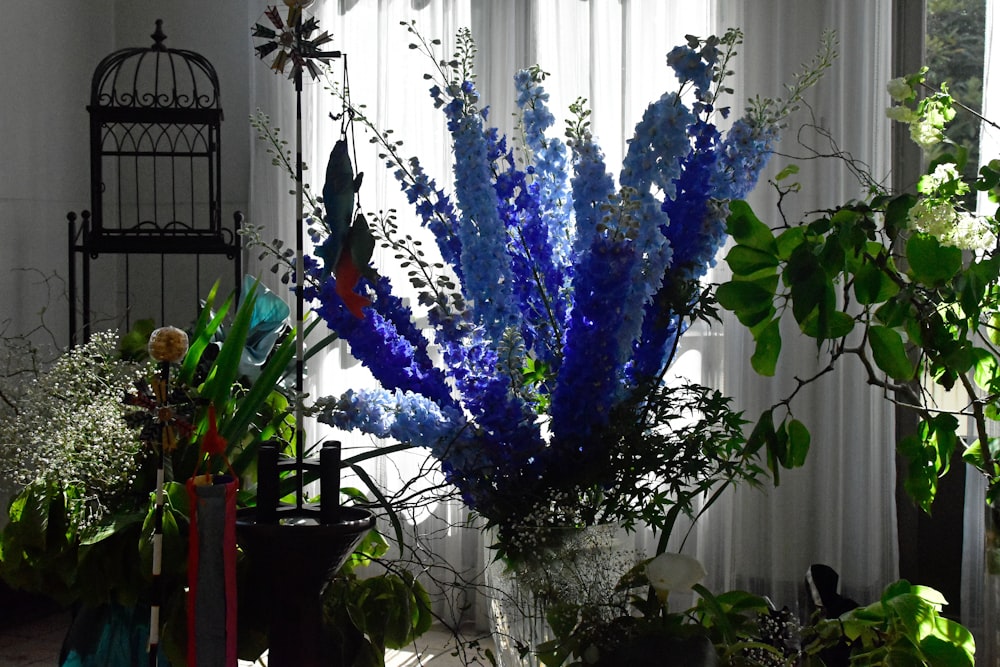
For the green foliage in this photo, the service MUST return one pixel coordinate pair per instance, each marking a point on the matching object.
(908, 284)
(91, 543)
(719, 629)
(905, 627)
(365, 615)
(922, 322)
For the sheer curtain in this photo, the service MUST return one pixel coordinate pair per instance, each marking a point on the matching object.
(976, 613)
(838, 509)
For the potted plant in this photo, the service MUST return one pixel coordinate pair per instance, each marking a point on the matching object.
(81, 521)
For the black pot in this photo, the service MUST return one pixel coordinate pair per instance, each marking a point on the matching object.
(290, 562)
(652, 651)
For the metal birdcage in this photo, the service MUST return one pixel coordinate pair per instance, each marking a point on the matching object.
(155, 178)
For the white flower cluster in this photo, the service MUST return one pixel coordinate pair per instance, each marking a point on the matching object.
(927, 118)
(935, 212)
(70, 429)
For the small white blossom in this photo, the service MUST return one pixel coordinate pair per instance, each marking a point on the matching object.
(70, 429)
(902, 114)
(899, 89)
(925, 134)
(951, 227)
(945, 174)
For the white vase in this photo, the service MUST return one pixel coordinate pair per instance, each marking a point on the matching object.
(584, 567)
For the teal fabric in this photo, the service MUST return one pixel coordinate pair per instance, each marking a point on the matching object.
(111, 636)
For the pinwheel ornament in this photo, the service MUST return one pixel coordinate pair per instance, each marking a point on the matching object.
(293, 47)
(291, 42)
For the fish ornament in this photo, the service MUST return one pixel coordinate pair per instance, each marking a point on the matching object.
(348, 247)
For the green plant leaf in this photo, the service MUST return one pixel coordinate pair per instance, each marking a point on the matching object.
(798, 444)
(206, 326)
(746, 229)
(872, 285)
(889, 353)
(789, 240)
(765, 357)
(809, 285)
(751, 300)
(790, 170)
(838, 325)
(897, 213)
(985, 366)
(948, 648)
(932, 263)
(746, 261)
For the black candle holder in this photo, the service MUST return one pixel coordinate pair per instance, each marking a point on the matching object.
(293, 550)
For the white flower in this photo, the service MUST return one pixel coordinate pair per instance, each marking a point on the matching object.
(673, 572)
(925, 134)
(902, 114)
(944, 174)
(899, 89)
(951, 227)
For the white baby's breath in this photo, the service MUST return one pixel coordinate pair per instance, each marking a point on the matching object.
(70, 430)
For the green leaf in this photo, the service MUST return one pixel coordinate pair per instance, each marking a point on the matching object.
(872, 285)
(745, 261)
(208, 323)
(765, 357)
(750, 300)
(789, 240)
(890, 354)
(838, 325)
(765, 436)
(790, 170)
(895, 312)
(974, 455)
(985, 367)
(949, 647)
(932, 263)
(897, 213)
(798, 444)
(810, 288)
(746, 229)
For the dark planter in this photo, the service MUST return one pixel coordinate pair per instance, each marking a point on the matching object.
(290, 561)
(695, 651)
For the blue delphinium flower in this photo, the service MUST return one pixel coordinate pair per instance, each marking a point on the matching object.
(592, 186)
(435, 208)
(397, 357)
(482, 235)
(402, 416)
(590, 378)
(744, 153)
(573, 290)
(550, 162)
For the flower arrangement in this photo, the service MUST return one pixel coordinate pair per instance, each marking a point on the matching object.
(558, 301)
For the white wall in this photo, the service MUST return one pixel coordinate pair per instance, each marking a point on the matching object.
(49, 52)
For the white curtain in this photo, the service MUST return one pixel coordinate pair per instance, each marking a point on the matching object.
(837, 510)
(977, 612)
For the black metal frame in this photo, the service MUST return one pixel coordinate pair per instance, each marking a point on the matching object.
(155, 166)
